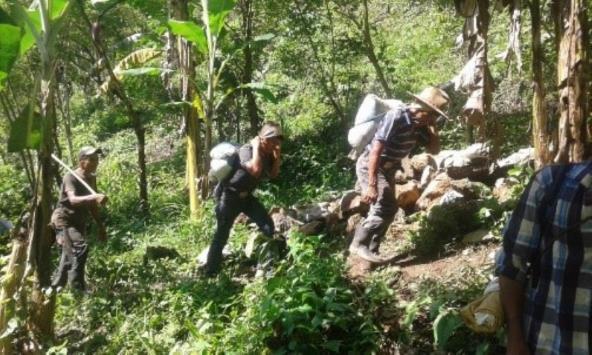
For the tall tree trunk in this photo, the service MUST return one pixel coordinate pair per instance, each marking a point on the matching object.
(63, 97)
(492, 126)
(132, 113)
(43, 306)
(327, 80)
(572, 67)
(140, 132)
(557, 23)
(208, 104)
(237, 115)
(540, 134)
(193, 171)
(247, 12)
(370, 52)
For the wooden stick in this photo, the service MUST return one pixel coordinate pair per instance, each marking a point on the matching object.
(81, 180)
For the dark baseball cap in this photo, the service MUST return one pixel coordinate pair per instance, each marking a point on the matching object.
(87, 151)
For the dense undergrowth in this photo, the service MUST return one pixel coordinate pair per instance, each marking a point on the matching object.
(304, 303)
(141, 302)
(145, 303)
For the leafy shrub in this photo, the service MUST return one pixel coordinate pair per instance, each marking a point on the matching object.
(445, 223)
(431, 321)
(307, 306)
(14, 192)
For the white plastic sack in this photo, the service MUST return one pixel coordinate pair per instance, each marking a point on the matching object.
(219, 169)
(360, 134)
(221, 164)
(223, 150)
(391, 104)
(367, 121)
(368, 109)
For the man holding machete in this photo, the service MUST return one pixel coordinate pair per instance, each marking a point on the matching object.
(77, 200)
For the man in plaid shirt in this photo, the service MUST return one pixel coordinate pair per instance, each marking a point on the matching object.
(545, 266)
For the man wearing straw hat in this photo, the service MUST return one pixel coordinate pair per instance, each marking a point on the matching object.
(77, 200)
(375, 168)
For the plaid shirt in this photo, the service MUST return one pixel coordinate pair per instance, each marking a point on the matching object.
(558, 311)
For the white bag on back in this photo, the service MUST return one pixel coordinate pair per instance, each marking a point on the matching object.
(368, 120)
(223, 150)
(222, 161)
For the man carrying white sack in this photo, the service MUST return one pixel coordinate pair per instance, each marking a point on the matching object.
(235, 193)
(375, 168)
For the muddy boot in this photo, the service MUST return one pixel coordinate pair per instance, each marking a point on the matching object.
(359, 246)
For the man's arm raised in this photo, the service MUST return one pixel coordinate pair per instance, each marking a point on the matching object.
(255, 165)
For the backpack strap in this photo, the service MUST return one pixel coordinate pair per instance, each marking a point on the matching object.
(373, 118)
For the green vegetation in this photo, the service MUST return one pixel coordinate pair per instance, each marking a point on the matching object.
(304, 64)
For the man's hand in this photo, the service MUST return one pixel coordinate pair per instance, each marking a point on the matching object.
(277, 150)
(256, 143)
(102, 234)
(101, 199)
(371, 195)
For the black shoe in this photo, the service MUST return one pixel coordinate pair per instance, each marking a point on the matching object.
(204, 271)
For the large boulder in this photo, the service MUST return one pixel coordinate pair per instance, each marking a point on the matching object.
(309, 219)
(472, 162)
(426, 177)
(350, 203)
(522, 157)
(474, 151)
(311, 212)
(420, 162)
(442, 185)
(407, 195)
(312, 228)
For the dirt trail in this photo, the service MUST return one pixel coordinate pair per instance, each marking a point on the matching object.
(478, 256)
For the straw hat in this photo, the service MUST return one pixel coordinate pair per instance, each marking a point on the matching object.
(434, 98)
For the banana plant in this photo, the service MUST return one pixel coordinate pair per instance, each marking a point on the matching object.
(39, 26)
(206, 39)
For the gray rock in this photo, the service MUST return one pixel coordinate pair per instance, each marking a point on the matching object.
(451, 197)
(426, 177)
(520, 158)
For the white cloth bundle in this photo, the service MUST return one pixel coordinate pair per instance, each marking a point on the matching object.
(220, 163)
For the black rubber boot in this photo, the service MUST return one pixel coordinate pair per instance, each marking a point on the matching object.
(359, 246)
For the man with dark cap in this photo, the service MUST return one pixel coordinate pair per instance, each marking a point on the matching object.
(70, 217)
(235, 194)
(396, 136)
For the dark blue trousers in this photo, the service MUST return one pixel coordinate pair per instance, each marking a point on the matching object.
(229, 206)
(72, 260)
